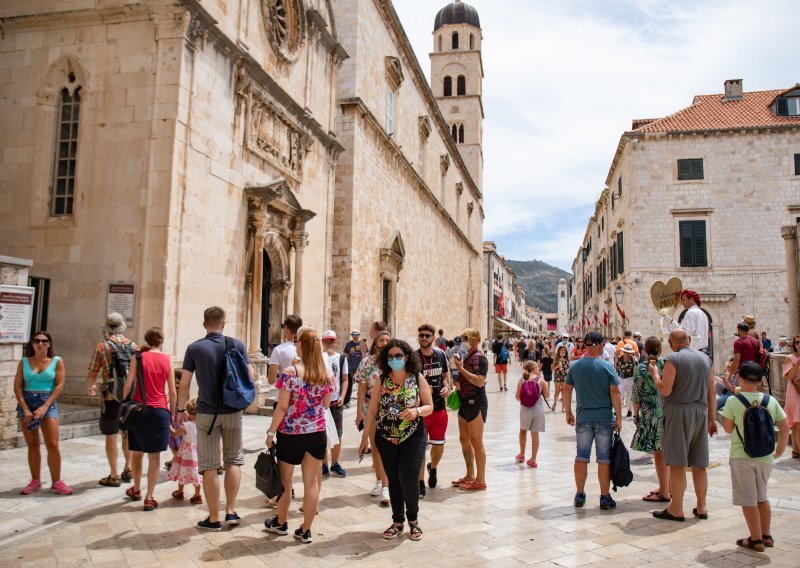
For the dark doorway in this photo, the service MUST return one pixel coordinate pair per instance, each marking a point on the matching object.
(266, 302)
(386, 300)
(41, 301)
(710, 331)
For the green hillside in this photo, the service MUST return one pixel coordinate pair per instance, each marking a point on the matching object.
(540, 281)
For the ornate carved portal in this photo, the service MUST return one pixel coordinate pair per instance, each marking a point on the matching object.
(276, 223)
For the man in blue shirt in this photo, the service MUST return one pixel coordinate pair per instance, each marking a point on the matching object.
(599, 409)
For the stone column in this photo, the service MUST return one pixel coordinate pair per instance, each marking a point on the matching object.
(258, 223)
(299, 240)
(789, 234)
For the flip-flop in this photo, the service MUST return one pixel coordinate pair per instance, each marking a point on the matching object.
(704, 516)
(655, 497)
(665, 515)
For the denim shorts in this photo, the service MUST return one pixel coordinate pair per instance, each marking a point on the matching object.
(598, 432)
(35, 399)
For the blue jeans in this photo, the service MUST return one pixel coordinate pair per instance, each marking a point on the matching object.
(35, 399)
(598, 432)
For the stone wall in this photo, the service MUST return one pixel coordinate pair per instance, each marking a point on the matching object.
(13, 272)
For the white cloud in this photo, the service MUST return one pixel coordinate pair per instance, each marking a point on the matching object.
(564, 80)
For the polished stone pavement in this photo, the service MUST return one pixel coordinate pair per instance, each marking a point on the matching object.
(525, 517)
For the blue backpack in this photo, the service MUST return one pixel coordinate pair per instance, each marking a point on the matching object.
(503, 354)
(759, 429)
(237, 390)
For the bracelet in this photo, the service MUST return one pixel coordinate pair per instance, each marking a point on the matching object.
(180, 410)
(270, 433)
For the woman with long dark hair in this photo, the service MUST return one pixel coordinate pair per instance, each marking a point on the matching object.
(37, 384)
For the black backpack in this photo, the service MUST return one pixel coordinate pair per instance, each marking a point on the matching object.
(621, 474)
(121, 355)
(759, 429)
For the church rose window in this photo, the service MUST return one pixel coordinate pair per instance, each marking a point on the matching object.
(285, 22)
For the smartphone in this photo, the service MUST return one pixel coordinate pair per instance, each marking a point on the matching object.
(34, 424)
(360, 458)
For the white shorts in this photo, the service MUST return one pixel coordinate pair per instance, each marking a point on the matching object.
(749, 480)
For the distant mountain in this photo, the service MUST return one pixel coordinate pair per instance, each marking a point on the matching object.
(540, 282)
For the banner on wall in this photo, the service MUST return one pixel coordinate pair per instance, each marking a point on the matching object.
(16, 311)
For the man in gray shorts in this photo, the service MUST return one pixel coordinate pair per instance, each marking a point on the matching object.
(206, 359)
(689, 403)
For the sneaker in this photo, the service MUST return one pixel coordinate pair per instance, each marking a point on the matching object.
(273, 526)
(580, 499)
(207, 525)
(607, 502)
(232, 519)
(303, 536)
(325, 473)
(34, 485)
(376, 491)
(422, 489)
(338, 470)
(431, 476)
(61, 488)
(385, 496)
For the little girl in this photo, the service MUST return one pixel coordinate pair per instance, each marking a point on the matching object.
(174, 437)
(184, 464)
(531, 413)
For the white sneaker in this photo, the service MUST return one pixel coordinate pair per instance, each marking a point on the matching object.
(376, 491)
(385, 496)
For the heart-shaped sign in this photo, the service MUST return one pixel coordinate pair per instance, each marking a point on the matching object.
(666, 296)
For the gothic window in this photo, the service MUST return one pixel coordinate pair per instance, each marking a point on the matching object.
(448, 86)
(455, 40)
(423, 142)
(66, 148)
(471, 42)
(461, 88)
(454, 132)
(389, 109)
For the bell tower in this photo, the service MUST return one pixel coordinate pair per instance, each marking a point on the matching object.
(457, 80)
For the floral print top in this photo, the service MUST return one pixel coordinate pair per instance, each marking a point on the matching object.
(625, 367)
(306, 412)
(561, 370)
(394, 400)
(368, 372)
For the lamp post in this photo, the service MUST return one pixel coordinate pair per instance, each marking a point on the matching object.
(589, 313)
(619, 294)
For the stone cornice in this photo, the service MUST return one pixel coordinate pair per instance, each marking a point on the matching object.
(357, 104)
(387, 11)
(72, 18)
(692, 211)
(326, 35)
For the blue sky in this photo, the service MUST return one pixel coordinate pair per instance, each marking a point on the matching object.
(563, 80)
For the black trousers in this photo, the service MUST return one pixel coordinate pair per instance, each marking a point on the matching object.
(402, 463)
(348, 395)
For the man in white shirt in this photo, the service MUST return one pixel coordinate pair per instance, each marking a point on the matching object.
(567, 343)
(695, 321)
(337, 366)
(609, 351)
(283, 355)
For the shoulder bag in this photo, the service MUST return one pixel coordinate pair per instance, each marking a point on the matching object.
(131, 411)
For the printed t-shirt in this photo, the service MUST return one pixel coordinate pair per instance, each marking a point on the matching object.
(332, 363)
(734, 410)
(591, 377)
(434, 369)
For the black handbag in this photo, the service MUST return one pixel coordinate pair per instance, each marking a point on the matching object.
(130, 410)
(268, 477)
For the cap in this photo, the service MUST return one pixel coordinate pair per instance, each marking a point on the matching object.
(637, 333)
(628, 349)
(115, 323)
(565, 335)
(592, 338)
(328, 334)
(752, 371)
(783, 339)
(355, 332)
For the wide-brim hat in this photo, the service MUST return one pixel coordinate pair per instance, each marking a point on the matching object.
(115, 323)
(628, 349)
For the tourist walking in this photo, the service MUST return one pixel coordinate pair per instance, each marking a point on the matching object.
(153, 385)
(746, 348)
(110, 362)
(625, 366)
(216, 423)
(689, 404)
(546, 363)
(792, 405)
(599, 413)
(750, 473)
(352, 350)
(184, 468)
(472, 370)
(400, 399)
(532, 391)
(435, 370)
(298, 427)
(579, 351)
(37, 384)
(367, 375)
(560, 372)
(284, 353)
(647, 417)
(340, 374)
(502, 355)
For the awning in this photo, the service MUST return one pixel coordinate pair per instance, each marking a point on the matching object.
(511, 325)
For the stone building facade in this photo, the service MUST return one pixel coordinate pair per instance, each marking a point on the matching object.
(408, 213)
(701, 195)
(507, 311)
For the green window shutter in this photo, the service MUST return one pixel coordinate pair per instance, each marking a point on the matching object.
(690, 169)
(783, 107)
(684, 170)
(620, 254)
(797, 164)
(696, 167)
(694, 248)
(700, 256)
(686, 238)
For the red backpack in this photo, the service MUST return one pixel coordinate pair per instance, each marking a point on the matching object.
(530, 392)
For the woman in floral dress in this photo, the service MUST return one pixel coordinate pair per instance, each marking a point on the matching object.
(647, 417)
(560, 372)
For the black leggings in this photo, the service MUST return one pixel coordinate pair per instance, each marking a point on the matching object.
(402, 463)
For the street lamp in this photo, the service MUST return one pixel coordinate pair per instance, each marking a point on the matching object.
(589, 312)
(619, 294)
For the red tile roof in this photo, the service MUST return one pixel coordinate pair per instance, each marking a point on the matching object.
(713, 112)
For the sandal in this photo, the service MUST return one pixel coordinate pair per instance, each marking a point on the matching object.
(757, 545)
(702, 516)
(769, 542)
(126, 475)
(109, 481)
(532, 463)
(665, 515)
(133, 494)
(520, 458)
(395, 530)
(796, 455)
(472, 486)
(415, 533)
(462, 481)
(196, 500)
(150, 504)
(177, 494)
(655, 497)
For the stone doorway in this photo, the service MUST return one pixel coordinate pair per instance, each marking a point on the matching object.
(266, 303)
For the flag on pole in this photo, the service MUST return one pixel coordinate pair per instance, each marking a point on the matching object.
(622, 314)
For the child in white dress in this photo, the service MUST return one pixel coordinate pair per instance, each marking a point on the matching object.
(184, 464)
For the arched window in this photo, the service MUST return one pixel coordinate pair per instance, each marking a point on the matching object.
(455, 40)
(448, 86)
(471, 42)
(461, 134)
(66, 149)
(461, 87)
(454, 133)
(440, 43)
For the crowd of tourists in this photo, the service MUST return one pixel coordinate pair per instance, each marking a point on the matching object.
(402, 395)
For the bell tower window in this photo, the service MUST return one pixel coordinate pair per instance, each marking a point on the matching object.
(455, 40)
(461, 86)
(471, 42)
(448, 86)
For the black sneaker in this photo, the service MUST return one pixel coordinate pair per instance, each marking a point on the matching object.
(422, 489)
(272, 526)
(606, 502)
(431, 476)
(232, 519)
(303, 536)
(207, 525)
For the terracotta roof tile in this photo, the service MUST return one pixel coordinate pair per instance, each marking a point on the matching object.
(713, 112)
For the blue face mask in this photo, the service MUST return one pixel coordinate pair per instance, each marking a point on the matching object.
(396, 365)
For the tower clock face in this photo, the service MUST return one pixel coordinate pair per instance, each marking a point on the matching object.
(285, 24)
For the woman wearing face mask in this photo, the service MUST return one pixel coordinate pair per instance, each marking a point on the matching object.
(472, 414)
(399, 401)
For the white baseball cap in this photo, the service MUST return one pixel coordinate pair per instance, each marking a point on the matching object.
(329, 334)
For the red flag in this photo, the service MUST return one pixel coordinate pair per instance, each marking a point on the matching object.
(596, 319)
(605, 317)
(621, 313)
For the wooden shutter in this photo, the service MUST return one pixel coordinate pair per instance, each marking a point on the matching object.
(700, 243)
(684, 170)
(696, 169)
(620, 254)
(693, 243)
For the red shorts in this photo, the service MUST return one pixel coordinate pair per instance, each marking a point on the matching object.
(501, 368)
(436, 427)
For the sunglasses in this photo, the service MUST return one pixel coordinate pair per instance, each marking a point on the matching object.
(396, 357)
(425, 335)
(41, 341)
